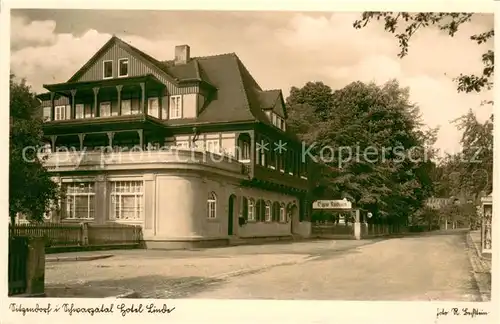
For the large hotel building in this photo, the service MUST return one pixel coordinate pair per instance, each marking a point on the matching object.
(191, 149)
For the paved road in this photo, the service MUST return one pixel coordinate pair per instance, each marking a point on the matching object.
(413, 268)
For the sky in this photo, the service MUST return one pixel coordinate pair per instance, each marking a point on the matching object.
(280, 49)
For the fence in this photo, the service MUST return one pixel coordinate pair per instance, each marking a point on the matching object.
(55, 234)
(113, 234)
(80, 234)
(334, 230)
(17, 264)
(328, 229)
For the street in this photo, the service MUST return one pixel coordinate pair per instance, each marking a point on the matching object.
(415, 268)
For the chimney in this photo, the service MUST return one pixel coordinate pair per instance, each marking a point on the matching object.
(181, 54)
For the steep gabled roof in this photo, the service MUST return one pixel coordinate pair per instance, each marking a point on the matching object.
(273, 99)
(237, 96)
(146, 59)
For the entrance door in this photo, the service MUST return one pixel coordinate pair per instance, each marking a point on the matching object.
(230, 215)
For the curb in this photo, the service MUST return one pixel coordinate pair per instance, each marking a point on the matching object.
(78, 258)
(480, 271)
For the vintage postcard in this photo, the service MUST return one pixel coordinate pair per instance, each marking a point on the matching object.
(245, 162)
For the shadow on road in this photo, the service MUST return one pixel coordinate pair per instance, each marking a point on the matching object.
(149, 286)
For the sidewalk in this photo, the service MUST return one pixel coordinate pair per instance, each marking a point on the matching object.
(481, 266)
(476, 240)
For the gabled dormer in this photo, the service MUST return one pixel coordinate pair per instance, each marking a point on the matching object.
(121, 79)
(274, 106)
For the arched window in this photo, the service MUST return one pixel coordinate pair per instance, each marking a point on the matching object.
(251, 210)
(268, 211)
(282, 213)
(260, 210)
(276, 211)
(212, 205)
(243, 152)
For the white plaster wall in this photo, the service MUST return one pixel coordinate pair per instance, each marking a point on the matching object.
(175, 206)
(178, 200)
(189, 105)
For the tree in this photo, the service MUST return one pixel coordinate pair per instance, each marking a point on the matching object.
(469, 173)
(404, 25)
(31, 190)
(362, 142)
(316, 94)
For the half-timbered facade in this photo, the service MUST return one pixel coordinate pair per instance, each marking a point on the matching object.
(191, 149)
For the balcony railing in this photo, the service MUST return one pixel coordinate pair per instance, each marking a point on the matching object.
(93, 160)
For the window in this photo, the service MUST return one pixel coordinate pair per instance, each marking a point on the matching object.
(292, 163)
(272, 159)
(251, 210)
(79, 201)
(212, 205)
(175, 107)
(107, 67)
(262, 148)
(46, 113)
(126, 107)
(126, 200)
(123, 67)
(153, 107)
(276, 212)
(268, 211)
(281, 161)
(79, 111)
(260, 210)
(105, 109)
(213, 146)
(164, 108)
(282, 213)
(244, 207)
(60, 112)
(245, 150)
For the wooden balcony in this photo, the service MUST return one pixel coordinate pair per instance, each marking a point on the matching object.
(92, 95)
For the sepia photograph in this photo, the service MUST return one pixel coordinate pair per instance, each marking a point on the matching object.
(251, 155)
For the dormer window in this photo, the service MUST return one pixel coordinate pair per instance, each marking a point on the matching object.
(175, 107)
(276, 120)
(123, 67)
(107, 67)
